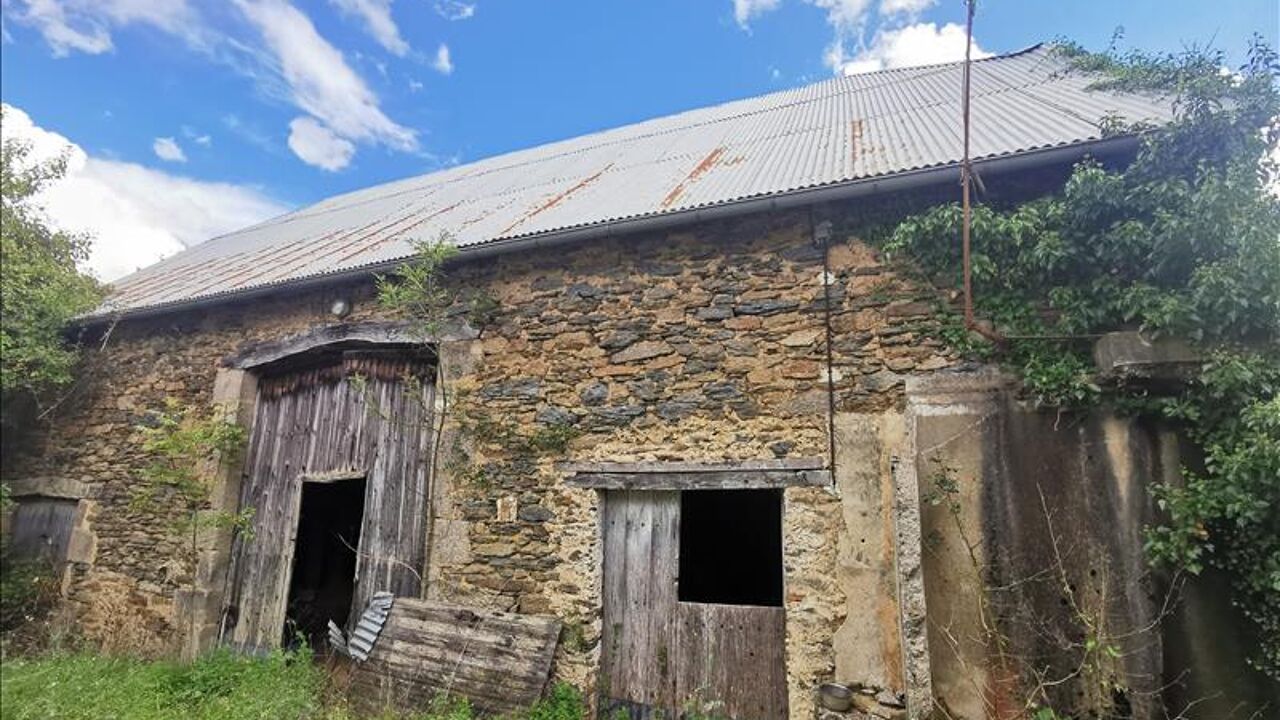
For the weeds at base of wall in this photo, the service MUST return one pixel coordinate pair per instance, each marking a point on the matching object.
(221, 684)
(1086, 659)
(28, 597)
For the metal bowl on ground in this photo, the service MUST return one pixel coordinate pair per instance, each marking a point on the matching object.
(834, 696)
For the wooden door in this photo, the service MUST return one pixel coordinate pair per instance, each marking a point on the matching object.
(326, 423)
(641, 542)
(40, 528)
(660, 656)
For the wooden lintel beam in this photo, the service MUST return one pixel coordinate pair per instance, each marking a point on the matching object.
(661, 466)
(700, 480)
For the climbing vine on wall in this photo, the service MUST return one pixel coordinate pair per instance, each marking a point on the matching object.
(182, 443)
(1182, 241)
(420, 291)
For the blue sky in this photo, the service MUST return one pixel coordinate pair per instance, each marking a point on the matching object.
(188, 118)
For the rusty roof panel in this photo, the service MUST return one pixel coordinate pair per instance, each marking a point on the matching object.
(839, 130)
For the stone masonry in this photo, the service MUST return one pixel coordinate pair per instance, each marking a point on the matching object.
(701, 345)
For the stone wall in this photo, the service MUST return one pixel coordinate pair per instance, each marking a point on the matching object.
(707, 344)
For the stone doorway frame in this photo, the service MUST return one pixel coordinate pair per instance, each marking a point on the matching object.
(199, 610)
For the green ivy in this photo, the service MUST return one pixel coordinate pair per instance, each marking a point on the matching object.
(1182, 241)
(180, 441)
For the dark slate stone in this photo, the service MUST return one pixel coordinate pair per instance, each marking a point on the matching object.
(722, 392)
(551, 415)
(619, 340)
(522, 388)
(782, 448)
(534, 514)
(713, 313)
(881, 380)
(648, 387)
(583, 290)
(594, 394)
(619, 415)
(724, 298)
(765, 307)
(680, 407)
(696, 365)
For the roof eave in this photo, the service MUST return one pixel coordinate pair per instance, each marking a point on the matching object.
(850, 190)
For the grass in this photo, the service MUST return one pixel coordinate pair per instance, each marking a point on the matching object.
(219, 685)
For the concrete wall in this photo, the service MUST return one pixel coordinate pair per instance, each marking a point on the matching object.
(1035, 572)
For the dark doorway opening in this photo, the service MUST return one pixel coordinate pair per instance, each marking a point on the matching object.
(324, 559)
(731, 547)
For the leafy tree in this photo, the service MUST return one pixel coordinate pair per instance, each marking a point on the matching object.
(41, 289)
(1183, 241)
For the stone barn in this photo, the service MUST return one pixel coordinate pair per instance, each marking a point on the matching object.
(698, 425)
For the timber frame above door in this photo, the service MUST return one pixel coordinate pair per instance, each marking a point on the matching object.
(729, 475)
(665, 649)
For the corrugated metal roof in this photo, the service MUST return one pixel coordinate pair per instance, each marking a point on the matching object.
(365, 636)
(836, 131)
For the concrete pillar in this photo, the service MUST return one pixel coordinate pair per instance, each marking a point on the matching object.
(953, 437)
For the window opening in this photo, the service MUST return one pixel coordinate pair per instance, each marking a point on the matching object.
(731, 547)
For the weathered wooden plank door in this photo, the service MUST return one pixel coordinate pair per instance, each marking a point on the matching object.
(731, 660)
(641, 542)
(357, 417)
(40, 528)
(663, 656)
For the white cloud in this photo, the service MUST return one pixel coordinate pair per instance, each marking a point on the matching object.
(454, 9)
(291, 62)
(86, 25)
(846, 16)
(905, 7)
(319, 80)
(919, 44)
(443, 62)
(744, 10)
(317, 145)
(166, 148)
(847, 19)
(137, 215)
(415, 86)
(376, 15)
(197, 137)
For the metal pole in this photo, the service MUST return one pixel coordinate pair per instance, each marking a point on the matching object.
(965, 168)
